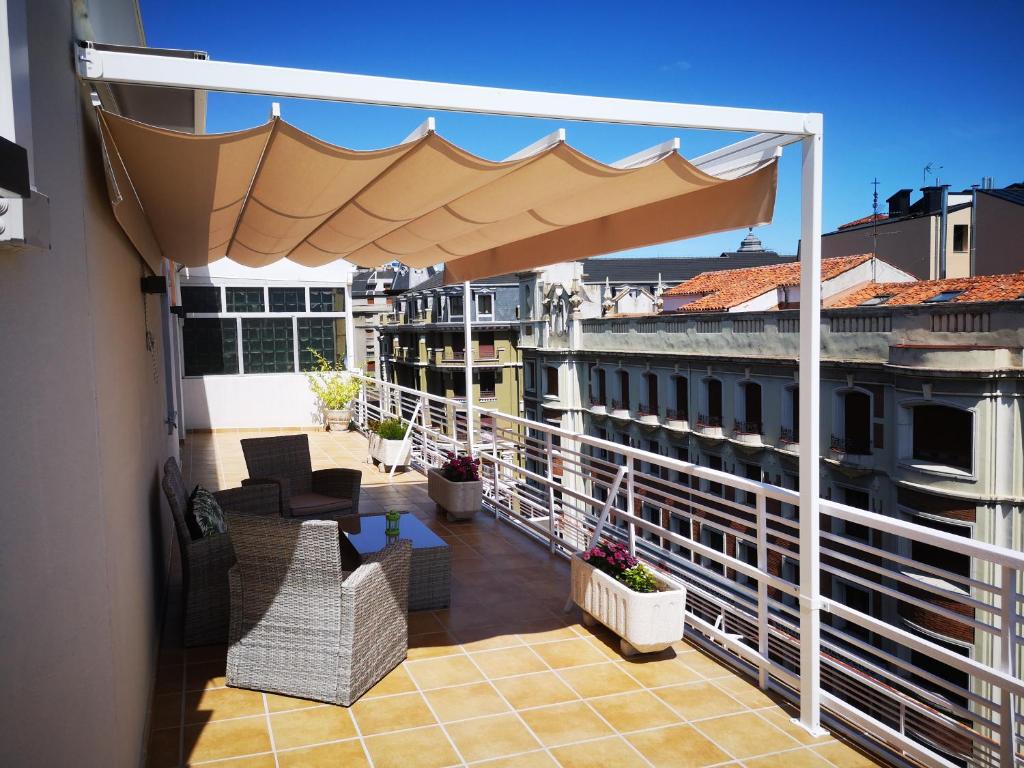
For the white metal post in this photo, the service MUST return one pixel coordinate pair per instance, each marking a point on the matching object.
(810, 428)
(631, 501)
(350, 332)
(467, 332)
(549, 454)
(762, 589)
(1007, 664)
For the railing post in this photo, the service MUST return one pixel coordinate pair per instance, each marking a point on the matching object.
(361, 407)
(762, 589)
(1007, 665)
(425, 452)
(810, 411)
(549, 453)
(631, 502)
(494, 459)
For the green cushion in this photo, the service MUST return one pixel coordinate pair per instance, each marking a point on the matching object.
(206, 516)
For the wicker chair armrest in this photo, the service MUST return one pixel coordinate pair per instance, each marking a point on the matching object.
(252, 498)
(211, 555)
(339, 483)
(284, 489)
(383, 579)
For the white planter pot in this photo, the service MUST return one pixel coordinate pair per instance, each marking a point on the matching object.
(460, 501)
(646, 622)
(339, 419)
(389, 453)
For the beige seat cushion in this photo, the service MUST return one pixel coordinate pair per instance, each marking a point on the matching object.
(304, 504)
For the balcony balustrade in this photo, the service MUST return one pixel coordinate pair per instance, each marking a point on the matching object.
(647, 413)
(852, 446)
(620, 408)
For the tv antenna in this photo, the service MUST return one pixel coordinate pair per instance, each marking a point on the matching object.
(929, 168)
(874, 223)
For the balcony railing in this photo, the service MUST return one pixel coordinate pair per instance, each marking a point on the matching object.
(704, 420)
(620, 405)
(897, 689)
(855, 446)
(788, 435)
(675, 415)
(747, 427)
(644, 409)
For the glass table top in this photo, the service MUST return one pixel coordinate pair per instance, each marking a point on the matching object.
(366, 532)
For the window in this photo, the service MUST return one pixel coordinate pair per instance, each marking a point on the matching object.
(602, 387)
(943, 435)
(943, 297)
(267, 346)
(682, 398)
(244, 299)
(327, 300)
(881, 298)
(624, 398)
(210, 346)
(488, 381)
(320, 334)
(713, 400)
(855, 422)
(944, 558)
(683, 478)
(530, 376)
(454, 307)
(486, 346)
(712, 538)
(853, 497)
(652, 393)
(749, 421)
(287, 300)
(484, 305)
(715, 462)
(552, 381)
(751, 472)
(960, 239)
(195, 299)
(790, 430)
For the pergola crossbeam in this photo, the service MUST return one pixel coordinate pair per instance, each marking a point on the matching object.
(541, 144)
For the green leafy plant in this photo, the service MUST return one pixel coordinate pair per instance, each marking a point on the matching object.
(639, 578)
(330, 383)
(390, 429)
(614, 559)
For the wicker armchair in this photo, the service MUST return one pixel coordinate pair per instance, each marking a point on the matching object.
(205, 562)
(300, 625)
(285, 461)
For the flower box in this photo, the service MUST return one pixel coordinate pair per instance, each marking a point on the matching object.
(459, 500)
(645, 622)
(389, 453)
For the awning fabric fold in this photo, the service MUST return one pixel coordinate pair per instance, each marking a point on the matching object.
(274, 192)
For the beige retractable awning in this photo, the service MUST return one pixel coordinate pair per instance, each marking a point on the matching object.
(275, 192)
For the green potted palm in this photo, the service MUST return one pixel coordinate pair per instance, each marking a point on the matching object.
(334, 389)
(456, 487)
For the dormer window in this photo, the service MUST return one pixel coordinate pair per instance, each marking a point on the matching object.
(874, 301)
(943, 297)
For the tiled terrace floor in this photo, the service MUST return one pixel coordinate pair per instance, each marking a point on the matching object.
(502, 678)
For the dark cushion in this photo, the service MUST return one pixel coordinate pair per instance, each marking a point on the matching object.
(305, 504)
(205, 517)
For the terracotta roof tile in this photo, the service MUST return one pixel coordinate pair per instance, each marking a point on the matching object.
(864, 220)
(728, 288)
(980, 288)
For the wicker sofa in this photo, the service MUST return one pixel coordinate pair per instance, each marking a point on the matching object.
(284, 460)
(303, 626)
(205, 562)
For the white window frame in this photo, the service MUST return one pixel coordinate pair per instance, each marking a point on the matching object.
(477, 295)
(905, 440)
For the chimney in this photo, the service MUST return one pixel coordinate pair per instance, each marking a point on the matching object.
(986, 182)
(899, 204)
(931, 200)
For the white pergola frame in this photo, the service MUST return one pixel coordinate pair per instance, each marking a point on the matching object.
(775, 129)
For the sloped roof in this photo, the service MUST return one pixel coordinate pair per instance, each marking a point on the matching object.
(864, 220)
(732, 287)
(980, 288)
(1011, 194)
(644, 271)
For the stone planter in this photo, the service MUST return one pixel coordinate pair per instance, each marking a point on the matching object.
(645, 622)
(338, 420)
(389, 453)
(460, 501)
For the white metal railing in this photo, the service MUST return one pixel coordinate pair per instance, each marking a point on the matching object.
(920, 660)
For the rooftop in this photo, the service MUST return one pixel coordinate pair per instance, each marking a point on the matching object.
(504, 677)
(960, 290)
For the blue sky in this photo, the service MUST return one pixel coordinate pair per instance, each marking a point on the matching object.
(901, 84)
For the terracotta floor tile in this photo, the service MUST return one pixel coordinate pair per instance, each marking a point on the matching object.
(487, 638)
(344, 754)
(599, 680)
(256, 761)
(464, 701)
(799, 758)
(745, 692)
(695, 701)
(705, 666)
(634, 711)
(745, 735)
(438, 673)
(678, 746)
(166, 711)
(311, 726)
(431, 645)
(657, 673)
(208, 674)
(169, 679)
(844, 756)
(782, 720)
(491, 737)
(391, 713)
(529, 760)
(603, 753)
(534, 690)
(278, 703)
(221, 704)
(423, 621)
(162, 748)
(569, 653)
(565, 723)
(544, 634)
(508, 661)
(229, 738)
(421, 748)
(395, 681)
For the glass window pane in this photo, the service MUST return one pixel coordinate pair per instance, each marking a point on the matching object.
(326, 299)
(267, 346)
(324, 335)
(287, 300)
(200, 298)
(244, 299)
(210, 346)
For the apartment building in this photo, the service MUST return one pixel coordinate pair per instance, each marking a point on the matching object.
(373, 292)
(921, 389)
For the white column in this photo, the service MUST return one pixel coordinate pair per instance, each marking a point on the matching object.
(810, 432)
(467, 330)
(350, 331)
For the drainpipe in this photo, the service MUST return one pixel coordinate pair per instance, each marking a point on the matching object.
(974, 226)
(467, 319)
(943, 224)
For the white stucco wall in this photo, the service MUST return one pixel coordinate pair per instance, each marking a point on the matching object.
(249, 401)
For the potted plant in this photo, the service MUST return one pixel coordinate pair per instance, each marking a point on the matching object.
(334, 389)
(456, 487)
(386, 440)
(612, 587)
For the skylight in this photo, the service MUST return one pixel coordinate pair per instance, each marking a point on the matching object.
(881, 298)
(943, 297)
